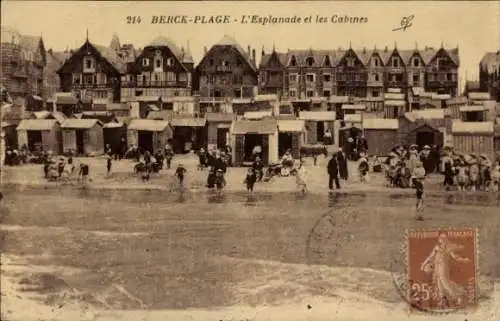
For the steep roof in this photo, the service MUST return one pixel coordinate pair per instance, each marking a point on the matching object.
(30, 42)
(37, 124)
(112, 57)
(319, 56)
(230, 41)
(162, 41)
(491, 61)
(264, 60)
(187, 56)
(74, 123)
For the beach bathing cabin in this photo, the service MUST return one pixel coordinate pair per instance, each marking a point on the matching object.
(497, 137)
(218, 127)
(422, 127)
(246, 134)
(473, 138)
(189, 133)
(40, 134)
(317, 122)
(381, 135)
(291, 134)
(149, 134)
(83, 136)
(114, 131)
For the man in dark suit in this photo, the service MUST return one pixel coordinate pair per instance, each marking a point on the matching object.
(342, 164)
(333, 173)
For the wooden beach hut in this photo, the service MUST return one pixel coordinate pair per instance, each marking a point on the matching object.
(83, 136)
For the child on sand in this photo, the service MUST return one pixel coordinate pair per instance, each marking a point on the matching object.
(301, 178)
(179, 173)
(250, 179)
(418, 178)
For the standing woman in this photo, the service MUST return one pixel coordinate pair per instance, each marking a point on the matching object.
(301, 179)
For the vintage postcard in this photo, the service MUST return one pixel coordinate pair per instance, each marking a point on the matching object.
(253, 160)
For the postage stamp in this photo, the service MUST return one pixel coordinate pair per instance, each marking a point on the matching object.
(442, 267)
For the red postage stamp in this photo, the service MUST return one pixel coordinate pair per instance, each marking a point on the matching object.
(442, 269)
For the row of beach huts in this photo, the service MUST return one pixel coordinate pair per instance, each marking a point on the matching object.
(469, 126)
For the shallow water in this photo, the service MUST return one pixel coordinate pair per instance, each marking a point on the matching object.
(201, 250)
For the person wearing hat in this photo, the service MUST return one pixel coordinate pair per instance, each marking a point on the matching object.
(333, 173)
(301, 179)
(84, 173)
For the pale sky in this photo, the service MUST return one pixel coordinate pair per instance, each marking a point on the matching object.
(473, 26)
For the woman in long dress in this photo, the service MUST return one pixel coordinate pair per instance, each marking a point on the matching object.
(301, 178)
(438, 263)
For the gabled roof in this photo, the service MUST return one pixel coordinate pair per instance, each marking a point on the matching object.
(112, 57)
(461, 127)
(30, 43)
(37, 124)
(162, 41)
(148, 125)
(264, 60)
(263, 126)
(230, 41)
(491, 61)
(319, 55)
(74, 123)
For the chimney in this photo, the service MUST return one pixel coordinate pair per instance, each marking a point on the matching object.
(364, 50)
(263, 52)
(205, 51)
(386, 49)
(253, 56)
(50, 51)
(249, 51)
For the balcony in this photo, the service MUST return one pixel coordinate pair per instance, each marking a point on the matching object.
(155, 84)
(94, 86)
(223, 69)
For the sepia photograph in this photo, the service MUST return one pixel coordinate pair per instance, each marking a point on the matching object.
(250, 160)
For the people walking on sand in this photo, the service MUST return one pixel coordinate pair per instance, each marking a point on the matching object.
(342, 164)
(363, 167)
(258, 168)
(333, 173)
(301, 179)
(84, 174)
(109, 160)
(250, 179)
(179, 173)
(60, 167)
(418, 178)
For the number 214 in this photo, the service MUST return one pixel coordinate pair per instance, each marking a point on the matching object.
(133, 19)
(420, 291)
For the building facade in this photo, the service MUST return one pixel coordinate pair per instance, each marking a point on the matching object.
(23, 63)
(363, 73)
(93, 72)
(489, 74)
(227, 71)
(161, 69)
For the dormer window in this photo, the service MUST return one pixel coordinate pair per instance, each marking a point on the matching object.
(293, 62)
(88, 64)
(157, 63)
(310, 61)
(158, 52)
(350, 62)
(327, 61)
(145, 62)
(224, 63)
(170, 62)
(416, 62)
(375, 61)
(395, 62)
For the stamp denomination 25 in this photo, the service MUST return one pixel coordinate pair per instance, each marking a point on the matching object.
(442, 269)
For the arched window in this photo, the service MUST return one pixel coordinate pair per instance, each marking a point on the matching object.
(310, 61)
(293, 61)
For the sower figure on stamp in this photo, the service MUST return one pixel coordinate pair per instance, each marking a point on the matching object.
(446, 291)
